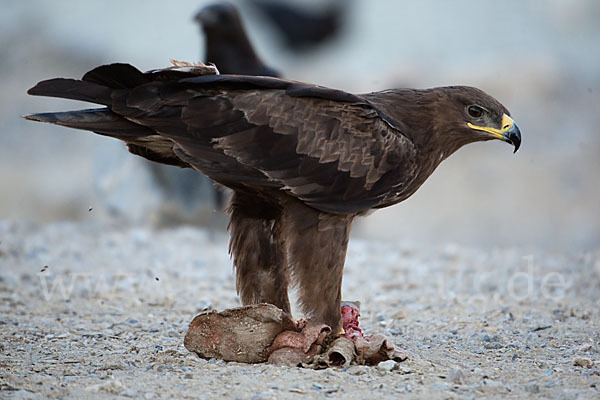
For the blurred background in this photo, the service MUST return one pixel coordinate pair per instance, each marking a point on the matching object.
(540, 58)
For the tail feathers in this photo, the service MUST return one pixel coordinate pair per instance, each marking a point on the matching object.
(73, 89)
(140, 140)
(102, 121)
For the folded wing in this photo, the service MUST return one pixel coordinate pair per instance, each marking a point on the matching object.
(328, 148)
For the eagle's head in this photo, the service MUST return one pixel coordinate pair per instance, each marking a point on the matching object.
(467, 114)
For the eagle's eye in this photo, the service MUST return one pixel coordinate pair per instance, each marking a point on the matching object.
(475, 111)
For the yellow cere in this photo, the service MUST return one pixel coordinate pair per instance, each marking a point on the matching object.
(507, 123)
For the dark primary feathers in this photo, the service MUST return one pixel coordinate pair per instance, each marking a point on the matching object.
(302, 160)
(226, 43)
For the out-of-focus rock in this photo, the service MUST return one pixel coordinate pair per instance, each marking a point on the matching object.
(387, 366)
(583, 362)
(457, 376)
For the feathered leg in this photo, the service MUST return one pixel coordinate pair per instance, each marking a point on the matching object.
(316, 245)
(262, 275)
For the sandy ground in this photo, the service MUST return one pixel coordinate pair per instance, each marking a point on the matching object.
(99, 310)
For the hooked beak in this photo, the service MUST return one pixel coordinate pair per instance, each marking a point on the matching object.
(509, 132)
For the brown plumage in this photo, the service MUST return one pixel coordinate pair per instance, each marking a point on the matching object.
(303, 160)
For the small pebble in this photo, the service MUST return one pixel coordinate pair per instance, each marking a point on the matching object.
(388, 365)
(492, 342)
(585, 347)
(532, 388)
(531, 339)
(493, 345)
(440, 386)
(399, 315)
(357, 370)
(456, 375)
(583, 362)
(404, 370)
(491, 338)
(129, 393)
(489, 385)
(403, 389)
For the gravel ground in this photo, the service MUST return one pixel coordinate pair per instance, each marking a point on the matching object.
(99, 310)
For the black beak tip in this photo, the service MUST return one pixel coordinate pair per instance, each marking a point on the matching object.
(514, 137)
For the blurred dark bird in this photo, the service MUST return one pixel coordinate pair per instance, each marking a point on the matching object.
(302, 160)
(227, 44)
(302, 28)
